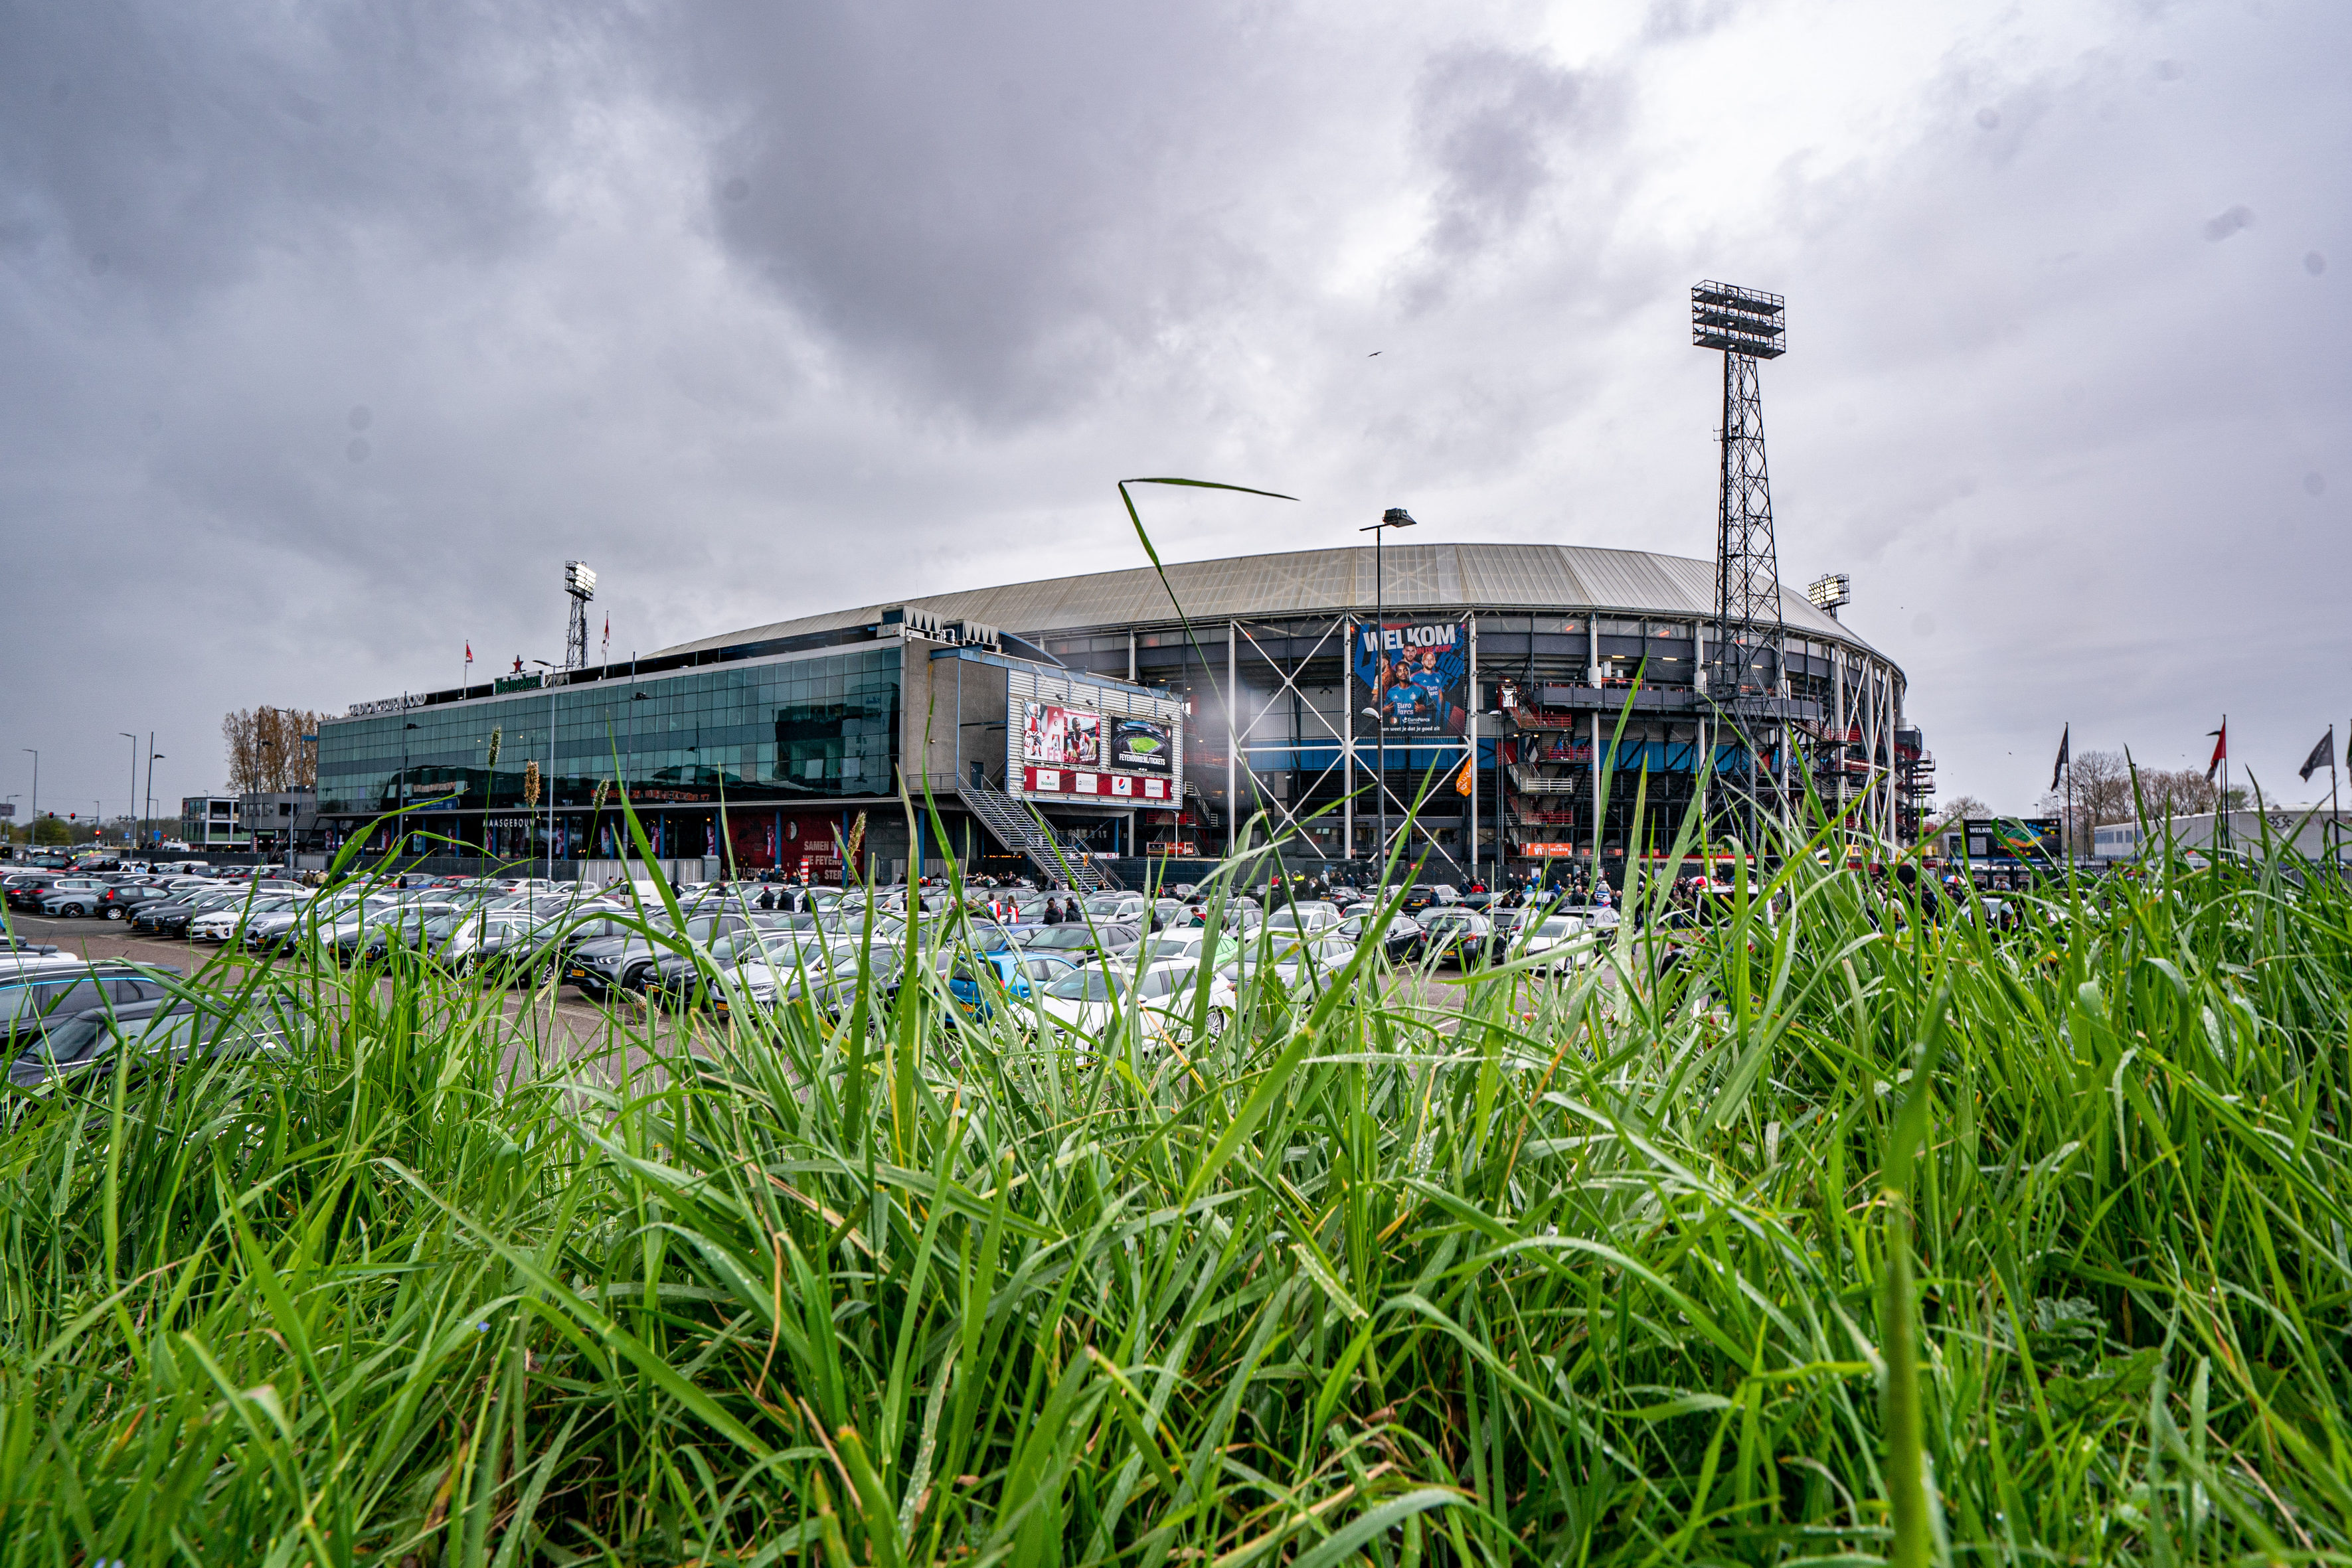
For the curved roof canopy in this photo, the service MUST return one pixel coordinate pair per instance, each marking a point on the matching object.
(1419, 577)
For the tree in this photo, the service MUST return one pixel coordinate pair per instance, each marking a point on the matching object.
(1949, 813)
(266, 752)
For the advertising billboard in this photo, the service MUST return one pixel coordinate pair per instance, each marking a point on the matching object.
(2013, 838)
(1052, 735)
(1143, 746)
(1415, 675)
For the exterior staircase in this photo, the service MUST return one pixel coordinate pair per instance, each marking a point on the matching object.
(1022, 830)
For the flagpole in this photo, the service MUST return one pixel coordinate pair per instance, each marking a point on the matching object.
(2072, 830)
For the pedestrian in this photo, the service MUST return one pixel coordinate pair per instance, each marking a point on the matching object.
(767, 897)
(1053, 912)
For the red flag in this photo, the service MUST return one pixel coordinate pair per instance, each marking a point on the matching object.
(469, 650)
(2220, 750)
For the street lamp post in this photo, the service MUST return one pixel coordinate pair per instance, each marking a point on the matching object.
(547, 783)
(400, 838)
(1394, 517)
(35, 839)
(153, 757)
(130, 809)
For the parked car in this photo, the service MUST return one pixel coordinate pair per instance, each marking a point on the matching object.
(1186, 942)
(498, 948)
(824, 980)
(1460, 937)
(170, 917)
(122, 902)
(1291, 962)
(37, 992)
(1313, 917)
(162, 1028)
(677, 981)
(981, 982)
(227, 923)
(1400, 940)
(74, 896)
(1081, 942)
(625, 962)
(14, 947)
(28, 894)
(1095, 1002)
(23, 889)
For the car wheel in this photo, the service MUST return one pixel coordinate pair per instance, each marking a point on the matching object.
(114, 912)
(1219, 1020)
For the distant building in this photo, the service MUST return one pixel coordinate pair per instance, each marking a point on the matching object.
(2306, 827)
(288, 820)
(213, 821)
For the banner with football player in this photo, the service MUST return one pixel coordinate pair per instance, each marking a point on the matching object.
(1414, 675)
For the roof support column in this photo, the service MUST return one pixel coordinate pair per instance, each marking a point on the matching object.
(1232, 731)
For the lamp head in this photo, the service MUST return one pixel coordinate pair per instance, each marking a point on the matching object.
(1396, 518)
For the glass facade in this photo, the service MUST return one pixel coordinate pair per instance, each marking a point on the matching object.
(797, 730)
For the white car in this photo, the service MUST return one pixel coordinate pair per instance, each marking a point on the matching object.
(1097, 1001)
(1307, 917)
(1575, 937)
(222, 924)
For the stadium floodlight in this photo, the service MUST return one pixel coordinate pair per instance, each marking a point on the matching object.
(1829, 591)
(581, 583)
(1739, 321)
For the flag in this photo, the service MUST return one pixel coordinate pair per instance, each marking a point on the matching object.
(607, 645)
(2065, 740)
(2322, 756)
(469, 650)
(1468, 780)
(2220, 750)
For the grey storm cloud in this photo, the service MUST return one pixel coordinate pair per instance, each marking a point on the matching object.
(333, 329)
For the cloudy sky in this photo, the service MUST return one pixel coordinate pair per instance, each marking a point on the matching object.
(331, 329)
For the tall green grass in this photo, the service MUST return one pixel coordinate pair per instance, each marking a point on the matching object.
(1842, 1240)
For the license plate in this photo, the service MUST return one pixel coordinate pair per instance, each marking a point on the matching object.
(579, 975)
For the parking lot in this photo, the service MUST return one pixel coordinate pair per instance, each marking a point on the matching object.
(586, 1023)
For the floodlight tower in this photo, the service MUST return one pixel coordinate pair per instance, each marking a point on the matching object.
(580, 584)
(1744, 671)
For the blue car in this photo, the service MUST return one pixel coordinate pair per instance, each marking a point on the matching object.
(973, 979)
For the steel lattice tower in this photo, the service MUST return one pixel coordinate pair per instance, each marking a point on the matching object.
(1743, 674)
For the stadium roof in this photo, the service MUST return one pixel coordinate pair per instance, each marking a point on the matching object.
(1420, 577)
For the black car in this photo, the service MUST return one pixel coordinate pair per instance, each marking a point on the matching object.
(122, 902)
(627, 962)
(1462, 937)
(160, 1028)
(170, 917)
(1401, 941)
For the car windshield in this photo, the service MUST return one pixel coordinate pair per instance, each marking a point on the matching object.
(1103, 906)
(1157, 947)
(1557, 926)
(1084, 986)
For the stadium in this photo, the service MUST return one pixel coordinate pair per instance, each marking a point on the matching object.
(1082, 725)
